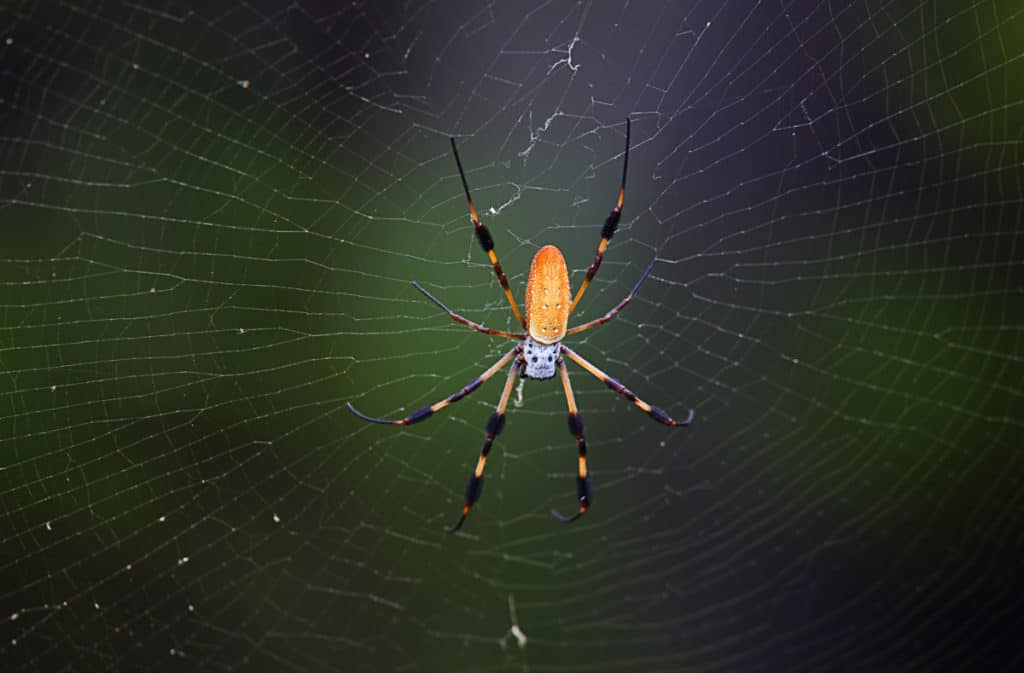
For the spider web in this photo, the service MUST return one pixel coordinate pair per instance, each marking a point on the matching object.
(211, 220)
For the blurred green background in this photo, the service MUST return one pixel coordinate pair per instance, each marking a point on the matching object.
(210, 221)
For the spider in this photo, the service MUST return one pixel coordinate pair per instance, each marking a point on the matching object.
(540, 352)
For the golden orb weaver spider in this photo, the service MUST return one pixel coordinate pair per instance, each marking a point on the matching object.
(540, 353)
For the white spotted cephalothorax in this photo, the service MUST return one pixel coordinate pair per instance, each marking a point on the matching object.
(539, 355)
(539, 359)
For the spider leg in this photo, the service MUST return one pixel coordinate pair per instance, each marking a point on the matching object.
(425, 412)
(618, 307)
(486, 241)
(495, 424)
(465, 321)
(576, 428)
(610, 225)
(654, 412)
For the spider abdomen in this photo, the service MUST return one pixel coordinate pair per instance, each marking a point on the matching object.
(539, 359)
(547, 296)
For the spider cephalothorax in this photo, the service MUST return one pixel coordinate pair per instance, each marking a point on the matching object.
(539, 359)
(539, 355)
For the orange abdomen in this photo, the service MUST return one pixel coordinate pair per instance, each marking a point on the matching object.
(547, 296)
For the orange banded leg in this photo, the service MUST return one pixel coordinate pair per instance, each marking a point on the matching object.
(610, 225)
(618, 307)
(495, 424)
(576, 428)
(654, 412)
(465, 321)
(486, 241)
(426, 412)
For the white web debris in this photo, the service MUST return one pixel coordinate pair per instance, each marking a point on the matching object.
(514, 633)
(519, 635)
(568, 57)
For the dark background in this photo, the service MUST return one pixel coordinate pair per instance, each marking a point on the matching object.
(210, 218)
